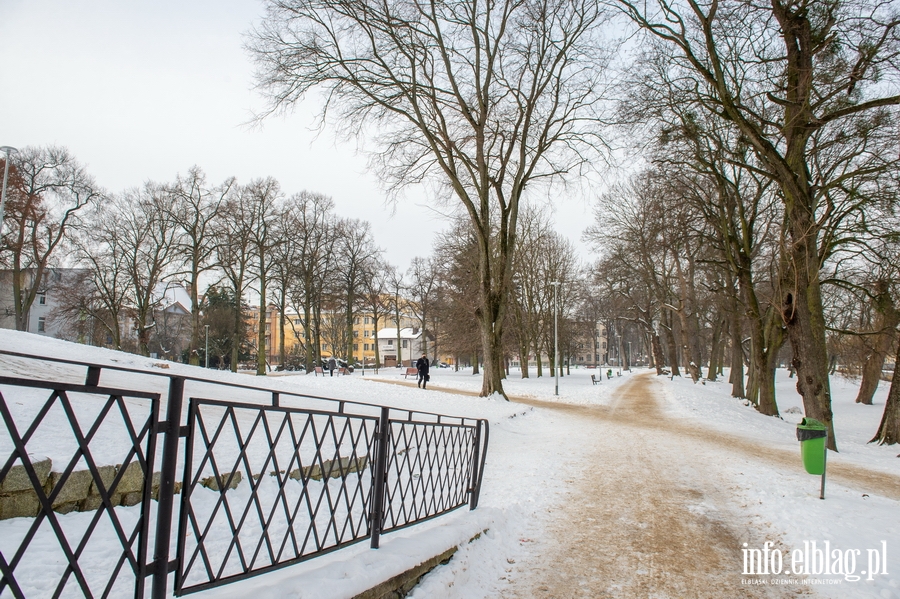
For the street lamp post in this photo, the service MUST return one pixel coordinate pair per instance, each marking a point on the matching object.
(206, 353)
(8, 150)
(556, 334)
(630, 357)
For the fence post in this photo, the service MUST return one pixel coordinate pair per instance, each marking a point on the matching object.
(171, 428)
(481, 442)
(476, 468)
(376, 521)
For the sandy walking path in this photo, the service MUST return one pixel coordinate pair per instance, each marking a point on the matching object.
(634, 526)
(650, 514)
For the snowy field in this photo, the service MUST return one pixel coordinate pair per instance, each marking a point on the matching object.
(533, 449)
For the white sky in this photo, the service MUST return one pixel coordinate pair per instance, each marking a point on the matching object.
(141, 90)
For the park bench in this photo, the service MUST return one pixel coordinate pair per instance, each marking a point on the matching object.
(596, 379)
(411, 371)
(319, 371)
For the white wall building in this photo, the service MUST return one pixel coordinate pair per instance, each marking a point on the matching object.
(412, 345)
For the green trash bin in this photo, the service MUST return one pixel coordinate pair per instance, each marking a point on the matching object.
(812, 435)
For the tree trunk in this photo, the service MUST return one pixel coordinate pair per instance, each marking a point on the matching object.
(671, 346)
(889, 429)
(804, 318)
(690, 326)
(307, 337)
(237, 322)
(261, 325)
(657, 354)
(886, 329)
(523, 357)
(714, 350)
(194, 349)
(282, 350)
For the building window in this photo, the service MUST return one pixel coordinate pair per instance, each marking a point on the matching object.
(42, 298)
(355, 346)
(297, 321)
(267, 327)
(390, 342)
(368, 320)
(42, 325)
(356, 333)
(357, 320)
(366, 333)
(405, 343)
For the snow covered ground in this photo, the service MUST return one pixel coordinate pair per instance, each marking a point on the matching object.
(536, 453)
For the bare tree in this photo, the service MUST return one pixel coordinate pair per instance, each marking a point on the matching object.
(47, 188)
(101, 249)
(374, 298)
(423, 278)
(314, 219)
(195, 210)
(234, 252)
(148, 237)
(263, 201)
(484, 98)
(354, 251)
(788, 83)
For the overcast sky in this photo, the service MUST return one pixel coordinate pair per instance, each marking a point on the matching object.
(141, 90)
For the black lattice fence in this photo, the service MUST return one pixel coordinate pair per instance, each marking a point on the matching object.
(282, 485)
(76, 469)
(84, 511)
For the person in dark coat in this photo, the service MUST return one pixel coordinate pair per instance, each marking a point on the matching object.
(422, 367)
(332, 364)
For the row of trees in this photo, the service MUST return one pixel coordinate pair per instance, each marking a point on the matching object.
(771, 125)
(226, 243)
(767, 212)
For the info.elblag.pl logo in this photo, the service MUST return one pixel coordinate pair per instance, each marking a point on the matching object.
(815, 559)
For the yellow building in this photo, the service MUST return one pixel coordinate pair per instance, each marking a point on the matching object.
(363, 342)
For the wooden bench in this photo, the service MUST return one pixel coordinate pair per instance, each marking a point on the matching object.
(596, 379)
(318, 370)
(411, 371)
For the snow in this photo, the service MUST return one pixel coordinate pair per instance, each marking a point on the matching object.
(535, 454)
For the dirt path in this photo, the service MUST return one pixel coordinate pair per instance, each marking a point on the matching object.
(636, 407)
(640, 523)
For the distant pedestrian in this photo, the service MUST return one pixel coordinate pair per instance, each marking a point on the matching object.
(332, 364)
(422, 368)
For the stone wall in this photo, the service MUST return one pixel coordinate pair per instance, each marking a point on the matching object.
(80, 493)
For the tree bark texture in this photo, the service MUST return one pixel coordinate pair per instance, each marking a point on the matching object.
(885, 332)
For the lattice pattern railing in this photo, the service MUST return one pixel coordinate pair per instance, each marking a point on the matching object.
(283, 485)
(429, 471)
(55, 458)
(263, 484)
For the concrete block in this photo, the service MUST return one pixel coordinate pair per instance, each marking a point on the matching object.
(75, 489)
(210, 482)
(133, 479)
(132, 498)
(23, 504)
(17, 479)
(107, 474)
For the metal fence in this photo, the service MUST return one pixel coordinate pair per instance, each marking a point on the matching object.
(223, 481)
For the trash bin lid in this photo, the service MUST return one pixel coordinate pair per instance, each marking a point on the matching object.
(810, 428)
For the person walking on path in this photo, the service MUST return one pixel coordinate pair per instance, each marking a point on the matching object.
(422, 367)
(332, 364)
